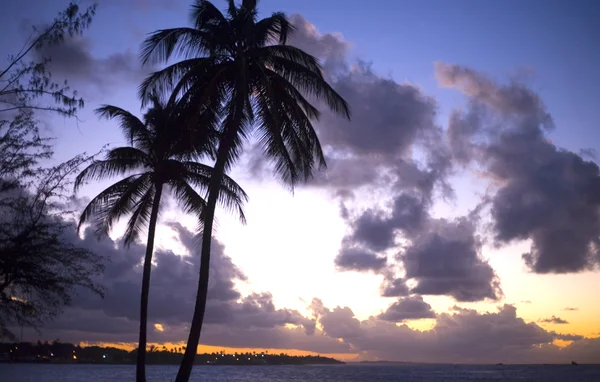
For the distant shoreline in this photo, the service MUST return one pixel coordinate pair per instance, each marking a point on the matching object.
(171, 364)
(567, 363)
(68, 353)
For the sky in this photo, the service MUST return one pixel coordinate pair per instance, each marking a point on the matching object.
(457, 220)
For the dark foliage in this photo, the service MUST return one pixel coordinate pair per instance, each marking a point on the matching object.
(40, 268)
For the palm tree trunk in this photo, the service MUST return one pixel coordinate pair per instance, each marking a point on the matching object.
(185, 369)
(140, 374)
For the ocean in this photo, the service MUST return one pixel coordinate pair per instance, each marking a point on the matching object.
(348, 372)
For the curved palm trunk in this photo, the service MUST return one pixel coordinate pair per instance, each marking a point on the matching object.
(185, 370)
(140, 373)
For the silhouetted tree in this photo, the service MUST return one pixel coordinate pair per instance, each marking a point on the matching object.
(38, 269)
(163, 152)
(261, 83)
(27, 85)
(40, 266)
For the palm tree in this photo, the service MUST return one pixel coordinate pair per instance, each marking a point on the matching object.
(243, 64)
(163, 152)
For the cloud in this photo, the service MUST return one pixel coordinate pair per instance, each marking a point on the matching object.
(74, 59)
(331, 48)
(526, 302)
(567, 337)
(394, 288)
(466, 336)
(338, 322)
(376, 231)
(445, 260)
(442, 256)
(408, 308)
(542, 193)
(143, 5)
(554, 320)
(571, 309)
(359, 260)
(459, 336)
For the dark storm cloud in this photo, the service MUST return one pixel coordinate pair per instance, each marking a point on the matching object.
(394, 287)
(442, 256)
(408, 308)
(387, 117)
(73, 59)
(377, 232)
(554, 320)
(567, 337)
(544, 193)
(445, 260)
(338, 322)
(356, 259)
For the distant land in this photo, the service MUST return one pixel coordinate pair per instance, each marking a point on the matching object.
(59, 352)
(392, 362)
(450, 363)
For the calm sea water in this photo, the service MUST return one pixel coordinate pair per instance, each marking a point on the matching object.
(358, 373)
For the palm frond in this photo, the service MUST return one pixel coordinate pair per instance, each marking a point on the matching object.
(204, 13)
(131, 125)
(271, 123)
(281, 87)
(249, 5)
(189, 200)
(185, 42)
(231, 196)
(133, 157)
(237, 126)
(140, 217)
(272, 30)
(307, 81)
(287, 134)
(205, 78)
(247, 14)
(232, 10)
(288, 53)
(104, 169)
(299, 132)
(104, 200)
(121, 205)
(165, 81)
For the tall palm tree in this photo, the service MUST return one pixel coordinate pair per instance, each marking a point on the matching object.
(163, 152)
(243, 64)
